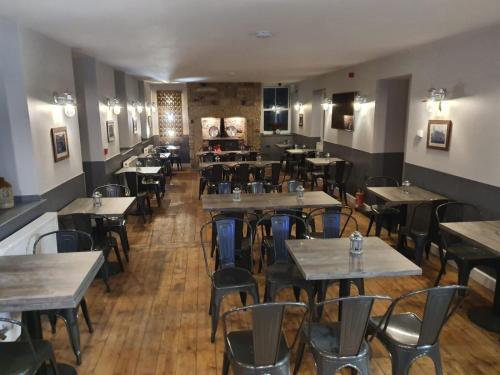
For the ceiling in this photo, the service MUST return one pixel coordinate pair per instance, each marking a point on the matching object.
(170, 40)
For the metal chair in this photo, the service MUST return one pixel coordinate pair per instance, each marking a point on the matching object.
(241, 175)
(215, 174)
(379, 212)
(466, 255)
(256, 187)
(156, 183)
(339, 344)
(117, 224)
(263, 348)
(281, 272)
(272, 176)
(70, 241)
(291, 185)
(224, 187)
(408, 336)
(25, 356)
(227, 278)
(142, 198)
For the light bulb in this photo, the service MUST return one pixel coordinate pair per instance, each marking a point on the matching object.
(139, 108)
(69, 109)
(117, 109)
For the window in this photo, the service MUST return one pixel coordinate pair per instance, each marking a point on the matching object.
(275, 106)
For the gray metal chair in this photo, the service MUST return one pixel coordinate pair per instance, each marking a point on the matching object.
(339, 344)
(224, 187)
(227, 278)
(408, 336)
(262, 349)
(256, 187)
(380, 212)
(25, 356)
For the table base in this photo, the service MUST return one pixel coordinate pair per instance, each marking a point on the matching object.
(485, 318)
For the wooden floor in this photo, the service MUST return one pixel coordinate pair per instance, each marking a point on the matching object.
(155, 319)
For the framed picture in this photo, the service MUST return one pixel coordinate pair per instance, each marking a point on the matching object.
(110, 126)
(134, 125)
(301, 119)
(60, 148)
(439, 134)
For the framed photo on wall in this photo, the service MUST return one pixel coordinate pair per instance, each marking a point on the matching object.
(110, 127)
(439, 134)
(134, 126)
(60, 148)
(301, 119)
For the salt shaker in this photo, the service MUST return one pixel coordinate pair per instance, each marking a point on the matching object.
(300, 192)
(356, 242)
(138, 166)
(237, 194)
(97, 199)
(259, 158)
(327, 155)
(405, 185)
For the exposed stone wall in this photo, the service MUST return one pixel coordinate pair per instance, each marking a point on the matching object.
(223, 100)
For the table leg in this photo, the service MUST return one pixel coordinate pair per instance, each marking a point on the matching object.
(344, 291)
(488, 317)
(402, 223)
(34, 326)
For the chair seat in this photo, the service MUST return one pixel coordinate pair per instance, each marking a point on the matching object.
(469, 252)
(17, 357)
(381, 209)
(325, 339)
(285, 273)
(403, 328)
(241, 348)
(233, 277)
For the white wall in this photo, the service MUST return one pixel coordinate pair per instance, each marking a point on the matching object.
(468, 66)
(48, 68)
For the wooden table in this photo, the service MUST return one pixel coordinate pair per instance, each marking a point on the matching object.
(484, 234)
(322, 162)
(276, 201)
(299, 151)
(231, 164)
(31, 283)
(141, 170)
(110, 206)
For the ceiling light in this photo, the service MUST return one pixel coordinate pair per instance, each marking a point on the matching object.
(263, 34)
(66, 100)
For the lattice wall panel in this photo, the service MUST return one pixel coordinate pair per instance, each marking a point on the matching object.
(169, 113)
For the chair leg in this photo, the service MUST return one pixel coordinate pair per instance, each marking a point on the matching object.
(296, 293)
(104, 274)
(53, 363)
(211, 301)
(401, 362)
(300, 355)
(441, 271)
(124, 241)
(435, 355)
(370, 226)
(70, 319)
(254, 292)
(463, 276)
(419, 251)
(243, 298)
(53, 322)
(86, 315)
(360, 285)
(225, 364)
(118, 257)
(215, 315)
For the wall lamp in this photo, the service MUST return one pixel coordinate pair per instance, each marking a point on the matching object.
(358, 101)
(327, 104)
(298, 106)
(67, 101)
(435, 96)
(138, 107)
(114, 105)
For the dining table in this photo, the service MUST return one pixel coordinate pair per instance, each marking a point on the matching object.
(110, 207)
(405, 196)
(275, 201)
(237, 152)
(299, 151)
(485, 234)
(34, 283)
(139, 170)
(232, 164)
(283, 146)
(322, 162)
(161, 155)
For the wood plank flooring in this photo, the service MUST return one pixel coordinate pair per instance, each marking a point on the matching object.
(155, 320)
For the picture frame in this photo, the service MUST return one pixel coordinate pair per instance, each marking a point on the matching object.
(439, 134)
(134, 126)
(301, 120)
(110, 128)
(60, 148)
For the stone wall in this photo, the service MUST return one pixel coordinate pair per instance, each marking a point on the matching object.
(223, 100)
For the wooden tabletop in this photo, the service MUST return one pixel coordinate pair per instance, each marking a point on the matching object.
(326, 259)
(231, 164)
(277, 201)
(46, 282)
(321, 162)
(141, 170)
(299, 151)
(397, 195)
(110, 206)
(481, 233)
(238, 152)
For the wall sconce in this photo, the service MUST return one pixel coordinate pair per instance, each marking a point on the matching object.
(358, 101)
(435, 96)
(298, 106)
(114, 105)
(327, 104)
(67, 102)
(137, 106)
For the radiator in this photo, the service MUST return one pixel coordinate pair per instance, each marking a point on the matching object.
(21, 243)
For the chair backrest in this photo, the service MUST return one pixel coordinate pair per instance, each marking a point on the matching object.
(292, 185)
(455, 212)
(333, 222)
(355, 312)
(242, 173)
(207, 158)
(152, 162)
(68, 241)
(113, 190)
(252, 156)
(268, 322)
(132, 183)
(421, 217)
(346, 174)
(216, 173)
(224, 187)
(275, 173)
(256, 187)
(441, 302)
(378, 181)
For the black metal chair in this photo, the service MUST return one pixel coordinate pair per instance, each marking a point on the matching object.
(117, 224)
(339, 344)
(227, 278)
(261, 349)
(256, 187)
(344, 169)
(281, 272)
(408, 335)
(241, 175)
(379, 212)
(25, 356)
(70, 241)
(466, 255)
(153, 183)
(224, 187)
(215, 175)
(142, 198)
(272, 176)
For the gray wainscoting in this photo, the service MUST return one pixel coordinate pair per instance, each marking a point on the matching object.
(268, 149)
(310, 142)
(484, 196)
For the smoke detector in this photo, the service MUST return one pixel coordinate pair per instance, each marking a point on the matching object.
(263, 34)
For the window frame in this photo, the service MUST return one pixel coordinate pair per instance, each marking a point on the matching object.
(288, 109)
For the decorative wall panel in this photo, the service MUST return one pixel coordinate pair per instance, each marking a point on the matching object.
(169, 113)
